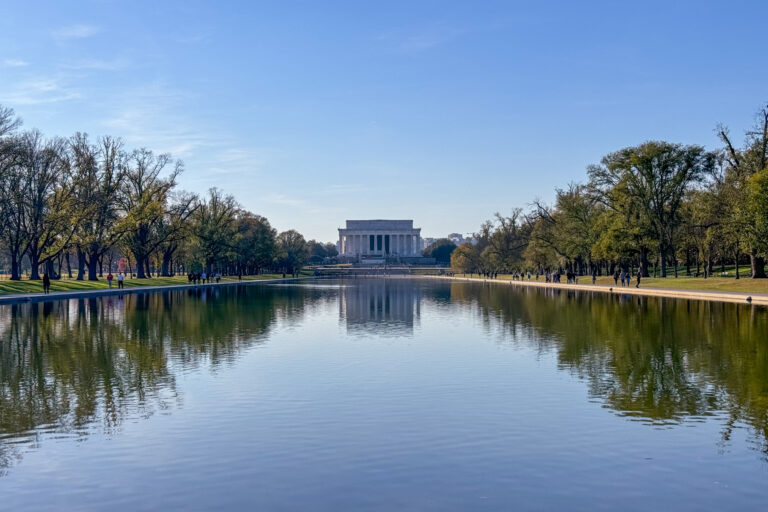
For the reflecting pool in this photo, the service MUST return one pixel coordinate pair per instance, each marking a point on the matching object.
(383, 394)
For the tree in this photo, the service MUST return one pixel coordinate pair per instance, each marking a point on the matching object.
(292, 251)
(47, 199)
(214, 225)
(317, 252)
(440, 249)
(255, 246)
(175, 227)
(567, 231)
(501, 244)
(99, 173)
(758, 197)
(464, 259)
(742, 164)
(655, 175)
(11, 190)
(144, 199)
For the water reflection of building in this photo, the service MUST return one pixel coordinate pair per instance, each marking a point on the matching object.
(380, 306)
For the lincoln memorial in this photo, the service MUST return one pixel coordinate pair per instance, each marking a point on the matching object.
(379, 239)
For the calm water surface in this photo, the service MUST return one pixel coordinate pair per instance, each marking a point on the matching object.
(375, 394)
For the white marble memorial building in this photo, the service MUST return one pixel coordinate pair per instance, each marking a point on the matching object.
(379, 239)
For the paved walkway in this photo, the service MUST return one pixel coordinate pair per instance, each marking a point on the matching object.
(17, 298)
(738, 297)
(718, 296)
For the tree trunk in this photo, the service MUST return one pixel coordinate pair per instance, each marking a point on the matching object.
(165, 267)
(49, 269)
(15, 266)
(736, 257)
(663, 261)
(34, 263)
(93, 263)
(80, 264)
(674, 261)
(758, 266)
(69, 266)
(644, 261)
(139, 266)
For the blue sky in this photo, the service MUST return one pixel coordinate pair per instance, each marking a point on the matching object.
(315, 112)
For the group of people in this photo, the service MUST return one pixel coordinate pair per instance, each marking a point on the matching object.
(202, 277)
(624, 278)
(621, 276)
(520, 276)
(120, 280)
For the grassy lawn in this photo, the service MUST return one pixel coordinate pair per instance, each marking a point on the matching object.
(721, 284)
(8, 287)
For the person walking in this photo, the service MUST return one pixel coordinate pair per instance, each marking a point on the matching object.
(46, 283)
(594, 276)
(622, 277)
(203, 277)
(109, 279)
(639, 276)
(120, 279)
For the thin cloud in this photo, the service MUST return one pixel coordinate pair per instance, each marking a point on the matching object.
(15, 63)
(80, 31)
(153, 116)
(37, 92)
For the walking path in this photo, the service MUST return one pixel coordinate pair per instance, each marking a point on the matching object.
(18, 298)
(718, 296)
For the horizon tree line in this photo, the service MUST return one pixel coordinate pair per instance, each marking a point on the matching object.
(76, 204)
(657, 205)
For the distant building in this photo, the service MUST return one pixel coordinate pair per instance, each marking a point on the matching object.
(379, 239)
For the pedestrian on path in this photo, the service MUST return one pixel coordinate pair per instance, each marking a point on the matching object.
(46, 283)
(639, 276)
(109, 279)
(120, 279)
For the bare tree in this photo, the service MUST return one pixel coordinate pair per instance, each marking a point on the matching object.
(99, 177)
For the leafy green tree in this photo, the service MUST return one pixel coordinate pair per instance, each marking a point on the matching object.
(742, 164)
(144, 199)
(215, 225)
(654, 178)
(256, 239)
(758, 188)
(440, 249)
(292, 251)
(566, 231)
(465, 259)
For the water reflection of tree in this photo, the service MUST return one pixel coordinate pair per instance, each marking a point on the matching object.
(69, 364)
(656, 359)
